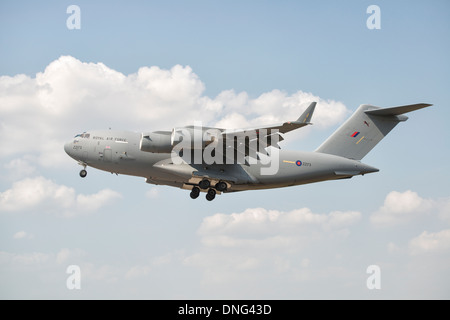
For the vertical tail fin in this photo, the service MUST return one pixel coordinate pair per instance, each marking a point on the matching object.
(364, 129)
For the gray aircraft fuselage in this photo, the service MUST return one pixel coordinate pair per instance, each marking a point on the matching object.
(118, 152)
(255, 162)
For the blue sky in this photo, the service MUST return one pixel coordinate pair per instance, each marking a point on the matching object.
(222, 61)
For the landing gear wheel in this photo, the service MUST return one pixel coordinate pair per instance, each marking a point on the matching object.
(204, 184)
(221, 186)
(195, 192)
(211, 194)
(83, 173)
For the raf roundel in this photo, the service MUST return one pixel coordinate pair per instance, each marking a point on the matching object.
(298, 163)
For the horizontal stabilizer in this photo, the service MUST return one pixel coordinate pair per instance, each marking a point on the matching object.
(395, 111)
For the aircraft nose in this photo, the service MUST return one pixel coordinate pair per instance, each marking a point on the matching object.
(68, 147)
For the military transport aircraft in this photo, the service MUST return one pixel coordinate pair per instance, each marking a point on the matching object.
(215, 160)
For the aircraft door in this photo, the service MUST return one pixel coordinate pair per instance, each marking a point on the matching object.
(98, 150)
(107, 155)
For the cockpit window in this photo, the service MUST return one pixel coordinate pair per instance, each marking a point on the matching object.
(83, 135)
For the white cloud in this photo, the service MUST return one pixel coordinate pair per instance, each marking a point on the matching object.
(402, 207)
(258, 227)
(24, 259)
(93, 202)
(39, 114)
(40, 193)
(428, 242)
(233, 119)
(406, 202)
(443, 207)
(19, 168)
(242, 247)
(43, 274)
(31, 192)
(167, 258)
(152, 193)
(20, 235)
(392, 248)
(138, 271)
(155, 265)
(66, 255)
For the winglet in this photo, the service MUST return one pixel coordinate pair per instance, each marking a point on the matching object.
(307, 115)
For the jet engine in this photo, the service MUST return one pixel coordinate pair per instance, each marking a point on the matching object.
(184, 137)
(157, 142)
(194, 137)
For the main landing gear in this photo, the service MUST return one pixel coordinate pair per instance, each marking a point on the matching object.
(195, 192)
(211, 193)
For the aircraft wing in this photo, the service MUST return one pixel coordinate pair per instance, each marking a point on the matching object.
(235, 145)
(247, 142)
(285, 127)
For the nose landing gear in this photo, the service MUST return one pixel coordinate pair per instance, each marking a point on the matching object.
(83, 173)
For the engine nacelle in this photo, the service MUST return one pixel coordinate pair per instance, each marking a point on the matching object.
(184, 137)
(194, 137)
(157, 142)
